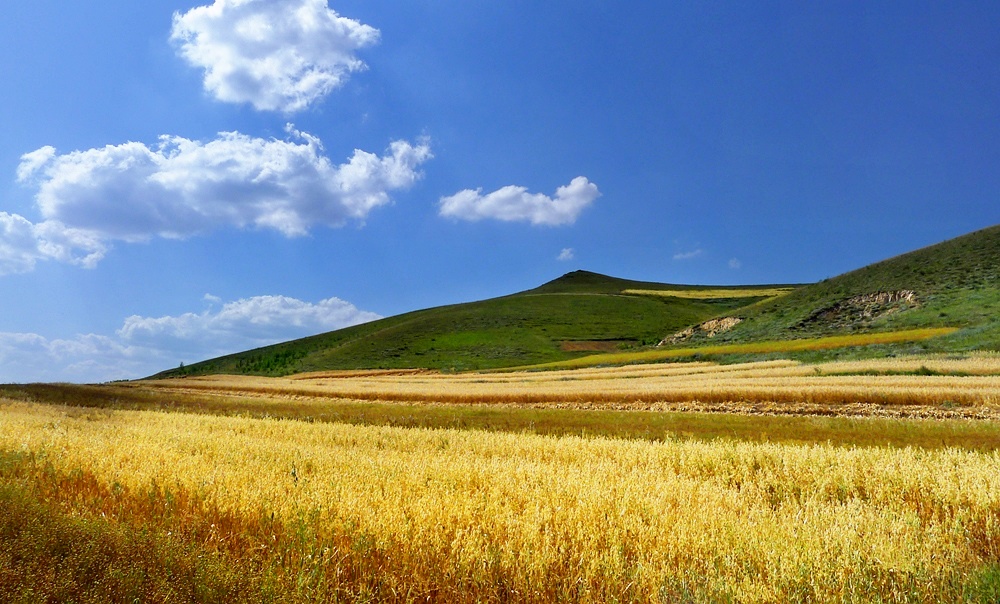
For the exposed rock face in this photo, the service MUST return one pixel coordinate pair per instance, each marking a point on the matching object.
(860, 311)
(708, 329)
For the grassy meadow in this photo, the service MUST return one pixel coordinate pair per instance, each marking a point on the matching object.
(587, 485)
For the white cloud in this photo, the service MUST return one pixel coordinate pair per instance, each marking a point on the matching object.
(735, 264)
(181, 187)
(67, 244)
(23, 244)
(31, 162)
(687, 255)
(18, 244)
(515, 204)
(27, 357)
(241, 325)
(566, 254)
(144, 345)
(278, 55)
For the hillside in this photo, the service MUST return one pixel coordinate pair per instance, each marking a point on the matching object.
(576, 314)
(954, 283)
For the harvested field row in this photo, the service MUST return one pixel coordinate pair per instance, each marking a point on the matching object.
(965, 388)
(853, 425)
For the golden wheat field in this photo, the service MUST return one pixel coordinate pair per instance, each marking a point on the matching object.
(257, 509)
(959, 388)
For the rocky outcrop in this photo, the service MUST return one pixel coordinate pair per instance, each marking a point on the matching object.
(860, 311)
(708, 329)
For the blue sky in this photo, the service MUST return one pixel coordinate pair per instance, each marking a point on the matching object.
(184, 179)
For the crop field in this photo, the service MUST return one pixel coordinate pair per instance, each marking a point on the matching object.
(924, 387)
(713, 293)
(228, 489)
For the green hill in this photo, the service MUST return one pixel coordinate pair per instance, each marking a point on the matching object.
(952, 284)
(576, 314)
(955, 283)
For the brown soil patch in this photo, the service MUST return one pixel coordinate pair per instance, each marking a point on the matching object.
(593, 345)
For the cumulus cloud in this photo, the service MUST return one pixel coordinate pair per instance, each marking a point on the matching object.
(516, 204)
(23, 244)
(28, 357)
(146, 345)
(566, 254)
(33, 161)
(18, 244)
(243, 324)
(181, 187)
(277, 55)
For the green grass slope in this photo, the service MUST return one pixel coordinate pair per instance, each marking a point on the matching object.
(955, 283)
(559, 320)
(952, 284)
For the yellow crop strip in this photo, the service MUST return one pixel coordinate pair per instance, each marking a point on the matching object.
(804, 344)
(712, 293)
(463, 514)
